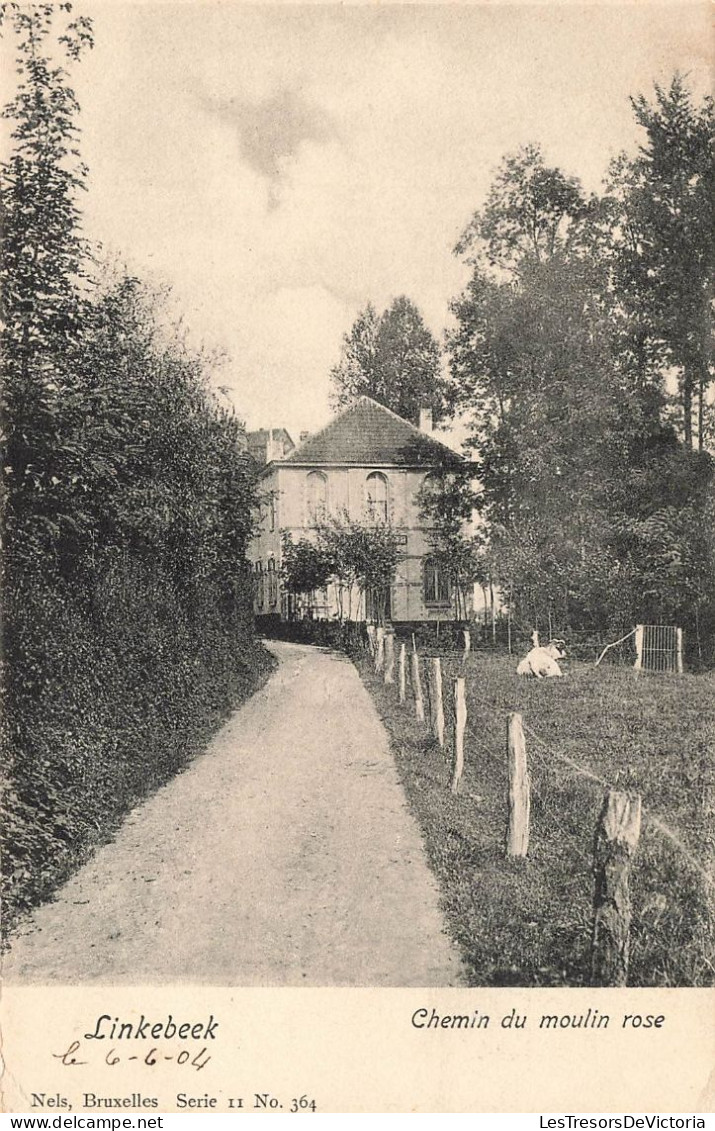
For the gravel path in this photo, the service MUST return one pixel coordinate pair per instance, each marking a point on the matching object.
(284, 855)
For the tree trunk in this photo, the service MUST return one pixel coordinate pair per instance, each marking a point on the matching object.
(687, 395)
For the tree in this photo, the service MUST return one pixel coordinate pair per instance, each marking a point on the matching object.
(394, 359)
(305, 566)
(663, 251)
(532, 213)
(43, 255)
(43, 252)
(357, 373)
(127, 613)
(364, 555)
(533, 370)
(448, 501)
(558, 357)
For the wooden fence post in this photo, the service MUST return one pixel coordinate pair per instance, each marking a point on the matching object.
(417, 688)
(460, 724)
(389, 657)
(379, 648)
(517, 837)
(639, 647)
(679, 652)
(402, 673)
(437, 712)
(370, 628)
(617, 834)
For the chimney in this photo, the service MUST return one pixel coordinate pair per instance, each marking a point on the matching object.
(304, 436)
(426, 421)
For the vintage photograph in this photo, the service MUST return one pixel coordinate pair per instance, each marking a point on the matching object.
(358, 512)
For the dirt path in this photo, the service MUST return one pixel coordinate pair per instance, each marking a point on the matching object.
(285, 855)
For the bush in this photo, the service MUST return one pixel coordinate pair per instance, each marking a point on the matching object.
(109, 694)
(127, 500)
(128, 630)
(340, 635)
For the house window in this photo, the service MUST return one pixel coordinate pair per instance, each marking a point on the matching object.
(377, 497)
(436, 586)
(272, 583)
(317, 496)
(272, 512)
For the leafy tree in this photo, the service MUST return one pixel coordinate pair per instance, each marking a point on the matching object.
(305, 566)
(663, 237)
(357, 373)
(365, 555)
(127, 608)
(394, 359)
(559, 371)
(532, 213)
(43, 253)
(534, 371)
(43, 256)
(448, 501)
(662, 532)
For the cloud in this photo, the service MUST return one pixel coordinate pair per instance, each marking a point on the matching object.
(271, 131)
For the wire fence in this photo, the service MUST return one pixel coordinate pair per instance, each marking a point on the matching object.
(554, 774)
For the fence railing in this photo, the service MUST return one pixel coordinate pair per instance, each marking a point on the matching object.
(617, 831)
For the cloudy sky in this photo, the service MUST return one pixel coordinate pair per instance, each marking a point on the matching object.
(281, 165)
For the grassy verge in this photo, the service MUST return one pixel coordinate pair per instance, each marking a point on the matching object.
(529, 923)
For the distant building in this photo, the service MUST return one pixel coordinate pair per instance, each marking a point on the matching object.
(268, 444)
(367, 463)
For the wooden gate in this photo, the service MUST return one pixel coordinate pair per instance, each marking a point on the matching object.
(659, 648)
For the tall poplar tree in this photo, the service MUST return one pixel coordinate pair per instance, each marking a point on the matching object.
(43, 254)
(663, 254)
(393, 358)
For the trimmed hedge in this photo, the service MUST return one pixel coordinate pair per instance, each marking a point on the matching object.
(350, 635)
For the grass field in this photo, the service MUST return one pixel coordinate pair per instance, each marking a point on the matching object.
(528, 923)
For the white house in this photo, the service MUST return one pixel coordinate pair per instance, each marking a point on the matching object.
(367, 463)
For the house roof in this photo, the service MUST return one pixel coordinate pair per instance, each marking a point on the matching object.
(368, 434)
(265, 441)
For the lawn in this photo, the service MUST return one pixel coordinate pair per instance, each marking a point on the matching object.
(528, 923)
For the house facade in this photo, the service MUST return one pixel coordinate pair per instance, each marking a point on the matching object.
(370, 465)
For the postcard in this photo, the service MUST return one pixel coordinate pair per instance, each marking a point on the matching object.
(358, 612)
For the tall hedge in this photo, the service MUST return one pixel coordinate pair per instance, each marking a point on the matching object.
(127, 499)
